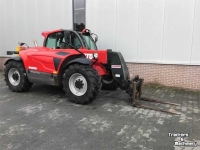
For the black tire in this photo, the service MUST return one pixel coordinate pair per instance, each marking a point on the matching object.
(90, 76)
(99, 82)
(22, 83)
(108, 83)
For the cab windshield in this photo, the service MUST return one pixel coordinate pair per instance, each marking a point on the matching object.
(89, 42)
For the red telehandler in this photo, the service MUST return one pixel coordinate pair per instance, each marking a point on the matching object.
(70, 59)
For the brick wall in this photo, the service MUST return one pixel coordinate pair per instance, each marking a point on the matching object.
(169, 75)
(2, 61)
(183, 76)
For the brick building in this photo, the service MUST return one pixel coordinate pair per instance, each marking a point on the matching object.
(159, 39)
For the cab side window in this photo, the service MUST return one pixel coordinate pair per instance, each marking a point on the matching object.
(51, 41)
(59, 41)
(56, 41)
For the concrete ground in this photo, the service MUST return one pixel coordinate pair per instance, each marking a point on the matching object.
(43, 119)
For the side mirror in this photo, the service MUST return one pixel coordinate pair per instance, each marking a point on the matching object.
(96, 39)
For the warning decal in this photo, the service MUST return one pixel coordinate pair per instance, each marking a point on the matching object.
(115, 66)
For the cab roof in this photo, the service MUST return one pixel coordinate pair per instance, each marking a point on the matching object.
(46, 33)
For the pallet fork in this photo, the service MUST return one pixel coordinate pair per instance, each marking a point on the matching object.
(136, 94)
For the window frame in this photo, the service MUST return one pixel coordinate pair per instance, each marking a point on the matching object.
(45, 42)
(80, 39)
(65, 33)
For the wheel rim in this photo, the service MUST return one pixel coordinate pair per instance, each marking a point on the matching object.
(14, 76)
(78, 84)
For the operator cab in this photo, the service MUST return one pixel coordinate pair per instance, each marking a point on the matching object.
(61, 39)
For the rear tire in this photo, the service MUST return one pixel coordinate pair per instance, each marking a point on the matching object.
(15, 77)
(109, 83)
(81, 83)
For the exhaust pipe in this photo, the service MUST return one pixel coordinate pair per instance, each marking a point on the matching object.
(35, 43)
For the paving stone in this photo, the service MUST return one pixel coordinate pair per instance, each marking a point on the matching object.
(178, 148)
(43, 118)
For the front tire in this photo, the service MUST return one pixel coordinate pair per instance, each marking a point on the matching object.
(81, 83)
(15, 77)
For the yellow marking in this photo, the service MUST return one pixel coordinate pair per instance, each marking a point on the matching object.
(18, 48)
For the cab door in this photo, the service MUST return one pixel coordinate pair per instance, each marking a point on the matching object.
(42, 61)
(43, 58)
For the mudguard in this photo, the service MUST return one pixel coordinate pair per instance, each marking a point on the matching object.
(17, 58)
(98, 66)
(83, 61)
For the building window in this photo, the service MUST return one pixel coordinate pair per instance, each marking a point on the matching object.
(79, 15)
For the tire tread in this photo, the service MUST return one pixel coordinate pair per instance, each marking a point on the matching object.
(24, 84)
(93, 78)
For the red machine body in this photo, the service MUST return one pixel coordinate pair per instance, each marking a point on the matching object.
(42, 58)
(63, 48)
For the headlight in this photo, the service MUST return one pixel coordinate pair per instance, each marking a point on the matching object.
(95, 55)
